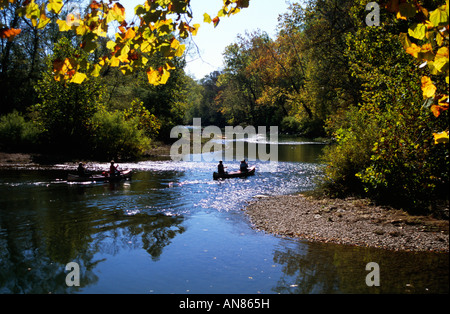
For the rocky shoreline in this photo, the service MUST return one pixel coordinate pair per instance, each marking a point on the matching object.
(348, 221)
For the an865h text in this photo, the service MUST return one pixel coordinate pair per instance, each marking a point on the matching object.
(238, 303)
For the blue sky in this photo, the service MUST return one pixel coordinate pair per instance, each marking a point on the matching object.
(211, 42)
(261, 14)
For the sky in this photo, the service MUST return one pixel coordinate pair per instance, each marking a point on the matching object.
(211, 42)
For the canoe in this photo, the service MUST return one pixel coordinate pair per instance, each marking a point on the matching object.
(235, 174)
(125, 174)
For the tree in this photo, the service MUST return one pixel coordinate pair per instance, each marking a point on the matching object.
(240, 88)
(151, 31)
(202, 100)
(384, 144)
(427, 41)
(65, 109)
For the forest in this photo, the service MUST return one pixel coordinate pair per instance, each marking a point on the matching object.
(380, 93)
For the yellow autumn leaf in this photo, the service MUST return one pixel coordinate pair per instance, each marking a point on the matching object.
(43, 19)
(428, 87)
(194, 30)
(96, 71)
(207, 18)
(153, 76)
(426, 52)
(81, 29)
(146, 47)
(441, 107)
(426, 48)
(413, 50)
(437, 110)
(174, 44)
(159, 76)
(443, 101)
(441, 137)
(123, 58)
(114, 62)
(417, 30)
(441, 58)
(78, 78)
(110, 45)
(118, 12)
(169, 66)
(130, 34)
(180, 51)
(55, 6)
(164, 77)
(404, 39)
(401, 17)
(63, 26)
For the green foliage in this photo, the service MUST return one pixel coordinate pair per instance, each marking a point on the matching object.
(306, 127)
(354, 131)
(202, 101)
(384, 145)
(168, 101)
(290, 125)
(65, 109)
(146, 121)
(406, 168)
(17, 134)
(115, 136)
(75, 121)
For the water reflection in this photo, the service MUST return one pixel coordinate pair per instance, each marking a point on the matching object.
(42, 229)
(330, 268)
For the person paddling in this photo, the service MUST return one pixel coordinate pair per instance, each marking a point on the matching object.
(81, 170)
(113, 171)
(244, 166)
(221, 168)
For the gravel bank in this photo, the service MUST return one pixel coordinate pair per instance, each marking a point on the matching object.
(349, 221)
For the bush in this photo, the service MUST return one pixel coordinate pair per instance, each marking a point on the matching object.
(354, 133)
(306, 127)
(290, 125)
(388, 156)
(406, 167)
(17, 134)
(114, 136)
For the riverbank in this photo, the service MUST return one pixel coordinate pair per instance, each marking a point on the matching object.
(348, 221)
(16, 159)
(33, 160)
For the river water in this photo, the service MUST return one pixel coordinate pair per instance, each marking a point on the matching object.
(172, 229)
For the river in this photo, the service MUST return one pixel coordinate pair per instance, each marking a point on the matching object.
(172, 229)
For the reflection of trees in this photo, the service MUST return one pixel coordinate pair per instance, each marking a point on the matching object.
(158, 234)
(330, 268)
(312, 272)
(42, 229)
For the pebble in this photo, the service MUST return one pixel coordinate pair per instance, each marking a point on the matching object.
(362, 224)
